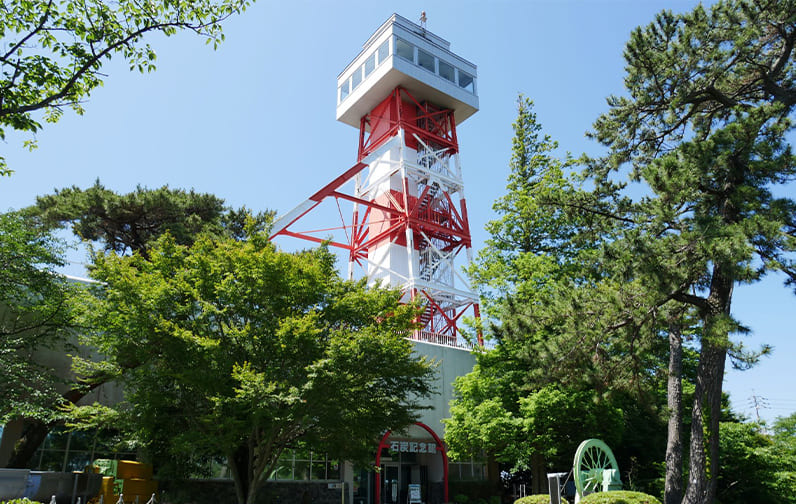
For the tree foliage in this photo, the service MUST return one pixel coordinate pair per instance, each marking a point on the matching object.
(619, 497)
(704, 125)
(783, 451)
(552, 305)
(36, 314)
(235, 349)
(647, 243)
(484, 417)
(516, 262)
(53, 50)
(545, 273)
(753, 469)
(126, 223)
(537, 499)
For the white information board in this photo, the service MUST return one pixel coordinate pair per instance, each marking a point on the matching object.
(414, 494)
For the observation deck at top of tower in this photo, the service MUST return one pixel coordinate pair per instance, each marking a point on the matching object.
(402, 53)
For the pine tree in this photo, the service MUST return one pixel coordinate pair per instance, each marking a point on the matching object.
(704, 128)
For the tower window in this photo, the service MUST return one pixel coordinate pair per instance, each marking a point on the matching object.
(446, 71)
(466, 82)
(425, 60)
(384, 51)
(370, 64)
(405, 50)
(345, 90)
(356, 78)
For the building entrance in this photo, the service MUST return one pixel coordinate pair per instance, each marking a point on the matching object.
(411, 460)
(397, 479)
(393, 487)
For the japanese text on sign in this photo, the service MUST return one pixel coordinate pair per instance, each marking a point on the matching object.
(413, 447)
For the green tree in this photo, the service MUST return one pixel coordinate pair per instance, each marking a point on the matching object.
(749, 467)
(53, 51)
(35, 314)
(783, 449)
(543, 278)
(38, 319)
(784, 428)
(517, 262)
(484, 415)
(539, 430)
(549, 276)
(556, 421)
(126, 223)
(704, 127)
(232, 348)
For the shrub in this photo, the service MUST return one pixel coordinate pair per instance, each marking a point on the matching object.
(619, 497)
(23, 500)
(537, 499)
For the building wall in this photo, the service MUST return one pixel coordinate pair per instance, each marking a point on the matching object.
(453, 362)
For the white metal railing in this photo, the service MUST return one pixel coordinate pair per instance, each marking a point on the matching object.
(440, 339)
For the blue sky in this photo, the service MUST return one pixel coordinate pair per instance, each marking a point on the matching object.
(253, 122)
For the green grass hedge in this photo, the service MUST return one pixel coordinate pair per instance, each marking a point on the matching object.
(537, 499)
(619, 497)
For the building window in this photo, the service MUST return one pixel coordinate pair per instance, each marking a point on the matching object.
(370, 64)
(446, 71)
(405, 50)
(356, 78)
(64, 450)
(466, 82)
(467, 470)
(303, 465)
(425, 60)
(383, 51)
(345, 90)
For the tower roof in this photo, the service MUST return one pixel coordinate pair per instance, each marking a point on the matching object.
(402, 53)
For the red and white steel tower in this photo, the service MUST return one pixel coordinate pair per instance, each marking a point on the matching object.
(406, 92)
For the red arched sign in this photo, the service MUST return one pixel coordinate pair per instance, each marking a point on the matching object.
(440, 448)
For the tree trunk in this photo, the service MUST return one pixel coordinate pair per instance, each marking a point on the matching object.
(493, 472)
(34, 431)
(704, 456)
(252, 494)
(673, 492)
(538, 474)
(240, 465)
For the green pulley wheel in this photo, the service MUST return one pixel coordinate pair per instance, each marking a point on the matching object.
(595, 469)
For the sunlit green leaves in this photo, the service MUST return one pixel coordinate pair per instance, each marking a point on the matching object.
(52, 51)
(231, 344)
(36, 315)
(754, 466)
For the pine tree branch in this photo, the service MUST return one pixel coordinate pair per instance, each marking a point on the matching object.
(683, 297)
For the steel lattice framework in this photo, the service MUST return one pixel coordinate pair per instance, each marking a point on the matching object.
(408, 201)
